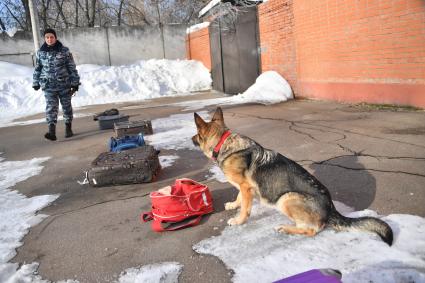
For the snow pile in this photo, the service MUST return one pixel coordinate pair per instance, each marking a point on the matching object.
(101, 84)
(17, 214)
(257, 253)
(269, 88)
(167, 272)
(139, 81)
(9, 70)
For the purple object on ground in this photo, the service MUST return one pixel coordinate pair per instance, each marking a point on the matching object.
(314, 276)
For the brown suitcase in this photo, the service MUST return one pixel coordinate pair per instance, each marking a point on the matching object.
(133, 166)
(108, 122)
(131, 128)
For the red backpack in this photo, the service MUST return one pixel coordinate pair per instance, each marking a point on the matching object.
(183, 200)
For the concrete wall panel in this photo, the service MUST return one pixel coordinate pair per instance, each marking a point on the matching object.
(88, 45)
(174, 35)
(17, 49)
(103, 46)
(130, 44)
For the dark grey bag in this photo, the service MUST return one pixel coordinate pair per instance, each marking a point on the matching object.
(107, 122)
(130, 128)
(109, 112)
(133, 166)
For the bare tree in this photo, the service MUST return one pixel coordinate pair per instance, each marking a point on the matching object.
(16, 14)
(90, 13)
(2, 25)
(77, 3)
(60, 12)
(120, 12)
(93, 13)
(225, 15)
(87, 13)
(45, 5)
(26, 14)
(135, 13)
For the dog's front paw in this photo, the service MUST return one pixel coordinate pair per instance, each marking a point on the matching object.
(235, 221)
(281, 229)
(230, 205)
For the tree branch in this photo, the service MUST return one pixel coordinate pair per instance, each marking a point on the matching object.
(14, 17)
(60, 11)
(93, 13)
(120, 12)
(3, 27)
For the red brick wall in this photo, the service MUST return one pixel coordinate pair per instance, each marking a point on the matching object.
(198, 47)
(277, 43)
(351, 50)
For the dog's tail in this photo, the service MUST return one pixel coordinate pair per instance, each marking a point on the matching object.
(371, 224)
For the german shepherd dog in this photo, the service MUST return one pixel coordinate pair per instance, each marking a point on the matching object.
(277, 181)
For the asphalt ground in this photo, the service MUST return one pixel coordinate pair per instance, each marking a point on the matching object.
(367, 157)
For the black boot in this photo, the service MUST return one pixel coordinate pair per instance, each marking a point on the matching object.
(51, 135)
(68, 130)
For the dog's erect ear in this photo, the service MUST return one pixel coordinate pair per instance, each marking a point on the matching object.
(198, 121)
(218, 115)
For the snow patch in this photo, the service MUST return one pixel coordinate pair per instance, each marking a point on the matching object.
(208, 7)
(216, 174)
(167, 272)
(167, 160)
(174, 132)
(17, 215)
(257, 253)
(197, 27)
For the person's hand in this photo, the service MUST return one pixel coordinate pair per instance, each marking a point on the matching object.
(36, 87)
(74, 89)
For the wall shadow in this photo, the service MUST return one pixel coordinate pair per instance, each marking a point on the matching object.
(354, 187)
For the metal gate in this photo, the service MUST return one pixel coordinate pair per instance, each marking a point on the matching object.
(234, 52)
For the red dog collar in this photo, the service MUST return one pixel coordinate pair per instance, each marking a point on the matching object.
(220, 143)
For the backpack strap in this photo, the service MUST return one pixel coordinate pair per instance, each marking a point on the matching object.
(157, 224)
(146, 216)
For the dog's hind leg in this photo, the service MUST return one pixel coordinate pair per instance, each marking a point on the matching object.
(296, 230)
(301, 210)
(247, 196)
(234, 204)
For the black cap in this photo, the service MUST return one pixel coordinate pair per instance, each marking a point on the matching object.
(50, 30)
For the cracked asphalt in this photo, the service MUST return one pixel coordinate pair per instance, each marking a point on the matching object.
(369, 159)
